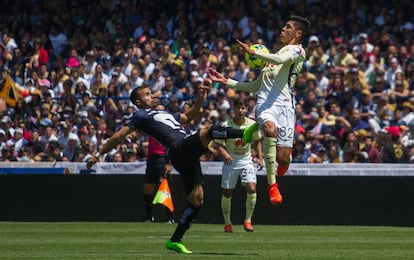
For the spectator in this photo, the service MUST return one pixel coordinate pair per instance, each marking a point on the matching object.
(98, 83)
(322, 82)
(9, 45)
(53, 152)
(400, 93)
(170, 90)
(19, 141)
(300, 154)
(310, 101)
(58, 39)
(7, 154)
(333, 153)
(328, 125)
(319, 157)
(71, 147)
(314, 125)
(22, 111)
(390, 74)
(354, 74)
(347, 100)
(117, 157)
(39, 55)
(383, 115)
(64, 132)
(149, 66)
(393, 151)
(174, 105)
(127, 66)
(366, 106)
(136, 80)
(90, 64)
(349, 155)
(343, 57)
(18, 66)
(374, 155)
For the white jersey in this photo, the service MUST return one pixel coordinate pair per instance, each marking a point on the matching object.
(240, 151)
(274, 85)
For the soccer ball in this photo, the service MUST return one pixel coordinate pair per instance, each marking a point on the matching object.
(255, 63)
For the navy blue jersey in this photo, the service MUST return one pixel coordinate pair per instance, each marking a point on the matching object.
(161, 125)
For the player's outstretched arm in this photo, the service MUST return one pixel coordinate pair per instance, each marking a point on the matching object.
(243, 86)
(246, 47)
(113, 141)
(216, 76)
(195, 109)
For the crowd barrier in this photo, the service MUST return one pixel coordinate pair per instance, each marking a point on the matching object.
(212, 168)
(318, 194)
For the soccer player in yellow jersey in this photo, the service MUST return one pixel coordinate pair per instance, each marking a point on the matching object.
(275, 108)
(238, 162)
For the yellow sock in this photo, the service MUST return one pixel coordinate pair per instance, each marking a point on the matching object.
(250, 205)
(226, 209)
(269, 152)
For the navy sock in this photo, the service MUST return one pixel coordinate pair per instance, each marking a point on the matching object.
(221, 132)
(184, 223)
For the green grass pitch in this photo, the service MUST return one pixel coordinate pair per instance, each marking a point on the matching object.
(129, 240)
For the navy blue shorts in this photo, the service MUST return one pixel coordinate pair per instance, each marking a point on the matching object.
(185, 157)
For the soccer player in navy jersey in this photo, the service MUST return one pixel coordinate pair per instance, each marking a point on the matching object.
(184, 150)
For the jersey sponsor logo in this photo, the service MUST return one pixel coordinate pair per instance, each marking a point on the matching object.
(239, 142)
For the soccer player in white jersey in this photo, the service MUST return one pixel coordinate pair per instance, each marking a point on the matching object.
(275, 108)
(238, 162)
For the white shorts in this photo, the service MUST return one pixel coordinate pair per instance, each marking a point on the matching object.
(230, 176)
(284, 118)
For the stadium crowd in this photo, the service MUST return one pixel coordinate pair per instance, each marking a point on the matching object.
(74, 63)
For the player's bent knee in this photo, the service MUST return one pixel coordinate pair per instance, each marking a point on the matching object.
(196, 201)
(269, 129)
(196, 197)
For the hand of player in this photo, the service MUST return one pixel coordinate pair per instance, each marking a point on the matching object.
(203, 91)
(227, 159)
(91, 162)
(246, 47)
(260, 164)
(216, 76)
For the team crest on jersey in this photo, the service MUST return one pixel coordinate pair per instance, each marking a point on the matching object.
(296, 51)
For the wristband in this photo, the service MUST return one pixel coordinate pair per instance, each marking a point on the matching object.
(98, 155)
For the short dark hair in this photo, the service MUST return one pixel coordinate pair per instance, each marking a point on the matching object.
(68, 82)
(239, 101)
(134, 94)
(301, 23)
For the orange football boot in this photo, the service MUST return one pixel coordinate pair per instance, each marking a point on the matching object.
(248, 226)
(228, 228)
(274, 194)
